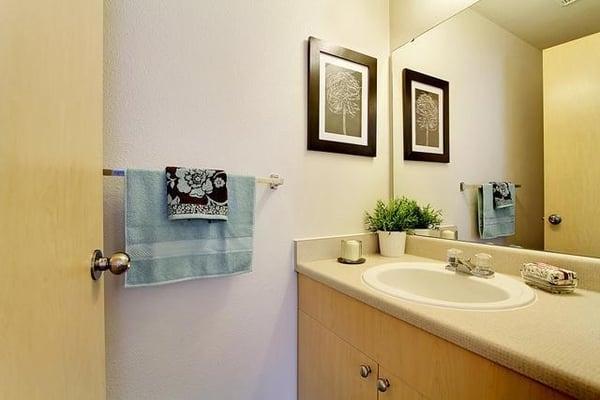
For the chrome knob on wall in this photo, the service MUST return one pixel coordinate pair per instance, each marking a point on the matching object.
(555, 219)
(383, 384)
(365, 371)
(118, 263)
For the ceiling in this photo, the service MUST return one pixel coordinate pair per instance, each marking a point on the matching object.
(543, 23)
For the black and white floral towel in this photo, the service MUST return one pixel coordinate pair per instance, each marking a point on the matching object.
(503, 196)
(196, 193)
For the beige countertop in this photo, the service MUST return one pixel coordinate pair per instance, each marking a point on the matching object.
(556, 340)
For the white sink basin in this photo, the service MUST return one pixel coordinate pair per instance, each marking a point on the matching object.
(431, 283)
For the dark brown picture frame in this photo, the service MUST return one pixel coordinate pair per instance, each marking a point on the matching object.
(408, 76)
(316, 47)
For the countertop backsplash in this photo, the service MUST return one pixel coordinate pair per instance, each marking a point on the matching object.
(506, 260)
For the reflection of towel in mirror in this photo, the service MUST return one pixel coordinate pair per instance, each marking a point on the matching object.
(503, 194)
(494, 222)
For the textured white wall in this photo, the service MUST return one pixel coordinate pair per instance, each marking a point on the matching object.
(223, 84)
(496, 127)
(410, 18)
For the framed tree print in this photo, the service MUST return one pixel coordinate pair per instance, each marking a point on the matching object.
(425, 117)
(342, 100)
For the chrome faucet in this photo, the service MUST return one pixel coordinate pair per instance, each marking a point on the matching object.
(481, 269)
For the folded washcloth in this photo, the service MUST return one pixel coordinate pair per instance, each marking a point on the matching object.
(549, 273)
(494, 222)
(164, 250)
(503, 194)
(196, 193)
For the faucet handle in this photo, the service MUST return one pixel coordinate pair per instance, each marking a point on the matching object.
(483, 260)
(453, 255)
(483, 265)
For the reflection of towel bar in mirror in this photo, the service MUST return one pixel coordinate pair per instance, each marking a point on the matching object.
(463, 186)
(273, 180)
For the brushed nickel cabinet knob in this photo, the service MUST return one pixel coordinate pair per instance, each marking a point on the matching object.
(118, 263)
(383, 384)
(555, 219)
(365, 371)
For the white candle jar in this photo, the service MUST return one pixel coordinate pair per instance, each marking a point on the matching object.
(351, 250)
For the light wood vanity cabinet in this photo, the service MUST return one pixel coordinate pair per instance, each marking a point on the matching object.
(338, 334)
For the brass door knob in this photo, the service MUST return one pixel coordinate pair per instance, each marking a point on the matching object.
(365, 371)
(117, 263)
(383, 384)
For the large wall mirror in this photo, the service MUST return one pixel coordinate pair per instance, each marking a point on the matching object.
(524, 107)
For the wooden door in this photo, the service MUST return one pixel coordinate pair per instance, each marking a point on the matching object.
(51, 313)
(329, 368)
(572, 145)
(397, 390)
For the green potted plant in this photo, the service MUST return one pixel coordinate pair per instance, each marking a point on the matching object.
(393, 219)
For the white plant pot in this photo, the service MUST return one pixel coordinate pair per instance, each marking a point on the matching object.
(391, 244)
(426, 232)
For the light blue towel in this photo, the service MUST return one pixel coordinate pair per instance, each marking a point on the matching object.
(494, 222)
(165, 251)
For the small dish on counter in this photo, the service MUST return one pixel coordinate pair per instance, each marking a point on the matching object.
(346, 261)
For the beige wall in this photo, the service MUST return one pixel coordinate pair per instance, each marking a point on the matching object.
(495, 121)
(410, 18)
(223, 84)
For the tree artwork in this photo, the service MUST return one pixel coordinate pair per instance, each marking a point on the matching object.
(343, 94)
(427, 114)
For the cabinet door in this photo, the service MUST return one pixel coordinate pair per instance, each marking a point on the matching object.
(329, 368)
(397, 389)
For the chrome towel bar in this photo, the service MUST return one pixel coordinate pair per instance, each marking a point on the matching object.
(273, 180)
(463, 186)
